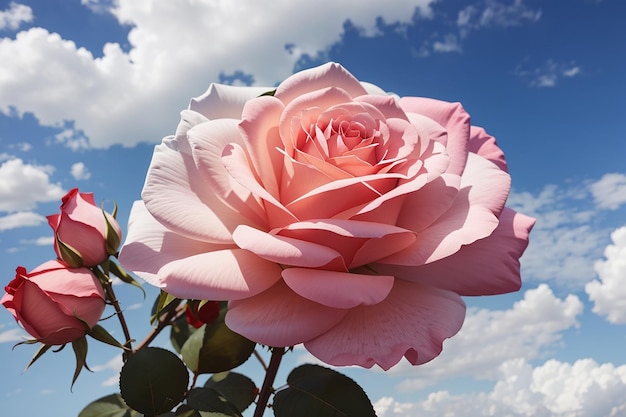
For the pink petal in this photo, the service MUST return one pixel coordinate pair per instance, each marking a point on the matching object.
(259, 128)
(225, 101)
(150, 245)
(178, 197)
(237, 164)
(58, 278)
(453, 118)
(485, 145)
(412, 321)
(327, 75)
(279, 317)
(338, 289)
(486, 267)
(358, 242)
(208, 141)
(387, 105)
(285, 250)
(228, 274)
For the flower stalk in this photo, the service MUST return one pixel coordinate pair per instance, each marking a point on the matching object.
(267, 389)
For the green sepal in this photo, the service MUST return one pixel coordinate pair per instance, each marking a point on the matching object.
(164, 301)
(68, 254)
(113, 240)
(25, 342)
(80, 350)
(119, 272)
(269, 93)
(42, 349)
(101, 334)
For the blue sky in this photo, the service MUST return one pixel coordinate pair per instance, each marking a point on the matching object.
(87, 88)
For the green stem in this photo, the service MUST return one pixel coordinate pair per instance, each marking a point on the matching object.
(267, 388)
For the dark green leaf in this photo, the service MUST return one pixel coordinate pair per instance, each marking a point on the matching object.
(186, 411)
(153, 381)
(215, 348)
(237, 388)
(163, 304)
(180, 331)
(316, 391)
(110, 406)
(207, 399)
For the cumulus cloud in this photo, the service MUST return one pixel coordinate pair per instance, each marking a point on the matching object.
(80, 172)
(23, 185)
(176, 50)
(20, 219)
(609, 192)
(12, 335)
(554, 389)
(14, 16)
(491, 337)
(566, 240)
(115, 366)
(608, 293)
(450, 43)
(549, 74)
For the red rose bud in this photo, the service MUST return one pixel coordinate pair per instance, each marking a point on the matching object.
(84, 234)
(53, 302)
(206, 314)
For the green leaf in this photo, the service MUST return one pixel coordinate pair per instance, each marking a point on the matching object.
(153, 381)
(207, 399)
(99, 333)
(122, 274)
(268, 93)
(237, 388)
(215, 348)
(110, 406)
(316, 391)
(80, 351)
(180, 332)
(162, 304)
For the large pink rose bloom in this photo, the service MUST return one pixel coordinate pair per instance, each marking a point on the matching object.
(329, 214)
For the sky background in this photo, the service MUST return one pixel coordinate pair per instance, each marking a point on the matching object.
(87, 88)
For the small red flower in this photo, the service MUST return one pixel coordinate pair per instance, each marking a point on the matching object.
(206, 314)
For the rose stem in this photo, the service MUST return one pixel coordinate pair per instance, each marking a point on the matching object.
(164, 321)
(260, 359)
(108, 289)
(270, 375)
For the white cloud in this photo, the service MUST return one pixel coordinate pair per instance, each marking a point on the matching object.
(114, 365)
(142, 91)
(40, 241)
(20, 219)
(450, 43)
(609, 292)
(15, 15)
(22, 185)
(549, 74)
(13, 335)
(566, 240)
(80, 172)
(554, 389)
(492, 13)
(609, 192)
(491, 337)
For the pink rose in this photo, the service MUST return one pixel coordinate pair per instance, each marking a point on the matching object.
(329, 214)
(50, 300)
(82, 226)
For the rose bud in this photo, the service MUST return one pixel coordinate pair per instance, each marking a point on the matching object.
(54, 303)
(199, 315)
(85, 234)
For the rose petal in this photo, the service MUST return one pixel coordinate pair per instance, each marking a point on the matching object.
(224, 101)
(150, 245)
(338, 289)
(453, 118)
(279, 317)
(387, 105)
(472, 215)
(228, 274)
(328, 75)
(485, 145)
(207, 142)
(287, 251)
(486, 267)
(412, 321)
(174, 178)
